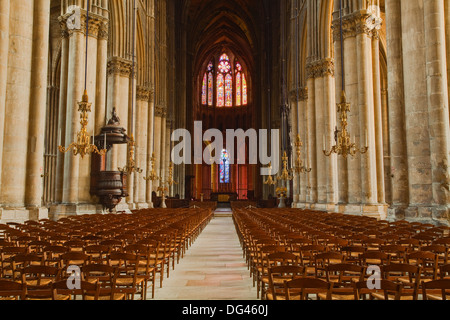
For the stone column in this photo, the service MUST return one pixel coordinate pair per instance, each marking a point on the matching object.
(150, 146)
(102, 61)
(330, 116)
(35, 161)
(61, 133)
(366, 111)
(119, 73)
(15, 135)
(378, 118)
(157, 144)
(141, 144)
(4, 49)
(310, 149)
(396, 100)
(438, 103)
(163, 154)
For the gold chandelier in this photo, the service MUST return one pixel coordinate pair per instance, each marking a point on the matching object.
(299, 167)
(344, 146)
(83, 145)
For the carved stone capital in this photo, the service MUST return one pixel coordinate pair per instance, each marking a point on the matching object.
(320, 68)
(143, 93)
(119, 66)
(301, 95)
(159, 111)
(360, 22)
(75, 22)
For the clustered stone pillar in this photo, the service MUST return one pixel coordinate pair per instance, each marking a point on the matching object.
(73, 173)
(23, 94)
(418, 109)
(361, 178)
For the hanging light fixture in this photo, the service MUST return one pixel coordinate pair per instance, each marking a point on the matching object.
(83, 144)
(131, 166)
(344, 146)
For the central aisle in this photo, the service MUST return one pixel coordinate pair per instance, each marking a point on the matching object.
(212, 269)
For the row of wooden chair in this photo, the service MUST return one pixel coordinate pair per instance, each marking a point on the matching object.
(138, 245)
(310, 240)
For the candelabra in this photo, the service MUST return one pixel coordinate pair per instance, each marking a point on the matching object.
(131, 167)
(83, 144)
(344, 146)
(270, 181)
(170, 180)
(299, 167)
(285, 176)
(152, 176)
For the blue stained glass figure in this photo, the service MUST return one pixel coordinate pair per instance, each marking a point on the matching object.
(224, 170)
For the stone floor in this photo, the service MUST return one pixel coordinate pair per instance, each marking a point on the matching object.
(212, 269)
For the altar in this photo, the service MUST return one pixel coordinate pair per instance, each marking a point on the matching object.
(223, 197)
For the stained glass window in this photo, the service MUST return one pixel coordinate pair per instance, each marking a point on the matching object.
(238, 89)
(224, 172)
(204, 89)
(210, 89)
(244, 90)
(220, 90)
(229, 91)
(224, 84)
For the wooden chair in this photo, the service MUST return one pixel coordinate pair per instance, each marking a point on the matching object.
(38, 280)
(278, 276)
(428, 261)
(106, 277)
(300, 289)
(307, 257)
(11, 290)
(87, 291)
(342, 276)
(52, 255)
(371, 258)
(325, 259)
(98, 253)
(273, 260)
(127, 280)
(20, 261)
(146, 270)
(73, 258)
(406, 274)
(436, 289)
(7, 255)
(444, 271)
(440, 250)
(352, 253)
(388, 290)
